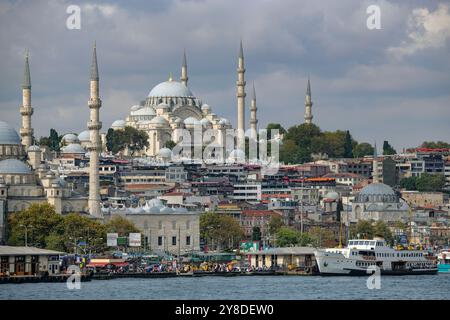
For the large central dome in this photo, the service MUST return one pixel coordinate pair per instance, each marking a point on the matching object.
(170, 88)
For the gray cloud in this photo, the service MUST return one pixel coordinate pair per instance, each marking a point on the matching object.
(358, 81)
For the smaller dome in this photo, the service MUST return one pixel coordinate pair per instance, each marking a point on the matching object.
(237, 155)
(332, 195)
(224, 121)
(84, 136)
(8, 135)
(159, 120)
(144, 111)
(205, 107)
(70, 138)
(155, 209)
(205, 122)
(14, 166)
(74, 148)
(135, 107)
(377, 189)
(118, 124)
(34, 148)
(166, 210)
(165, 153)
(191, 121)
(155, 202)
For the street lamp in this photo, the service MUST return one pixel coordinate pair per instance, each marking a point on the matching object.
(26, 232)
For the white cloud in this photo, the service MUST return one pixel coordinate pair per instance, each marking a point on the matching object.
(426, 30)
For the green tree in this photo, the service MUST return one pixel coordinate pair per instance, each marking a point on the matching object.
(363, 149)
(220, 231)
(110, 141)
(380, 229)
(287, 237)
(388, 149)
(129, 138)
(348, 145)
(430, 182)
(170, 144)
(435, 144)
(409, 183)
(275, 223)
(47, 229)
(55, 140)
(275, 126)
(81, 228)
(322, 237)
(256, 234)
(363, 228)
(40, 220)
(121, 226)
(291, 153)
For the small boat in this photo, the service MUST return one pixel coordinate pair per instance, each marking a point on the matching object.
(444, 262)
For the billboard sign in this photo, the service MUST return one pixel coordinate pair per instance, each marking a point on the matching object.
(111, 239)
(134, 239)
(249, 246)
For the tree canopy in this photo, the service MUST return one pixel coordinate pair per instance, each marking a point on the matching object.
(220, 230)
(50, 230)
(426, 182)
(129, 138)
(365, 229)
(52, 141)
(301, 141)
(435, 144)
(388, 149)
(363, 149)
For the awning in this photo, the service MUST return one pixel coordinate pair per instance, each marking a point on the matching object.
(104, 264)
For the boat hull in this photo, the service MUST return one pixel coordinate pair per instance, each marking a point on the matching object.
(332, 265)
(444, 268)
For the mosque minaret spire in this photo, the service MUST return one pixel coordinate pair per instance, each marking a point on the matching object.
(253, 109)
(26, 131)
(241, 98)
(308, 104)
(184, 76)
(94, 126)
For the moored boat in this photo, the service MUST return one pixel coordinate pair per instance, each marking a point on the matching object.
(363, 257)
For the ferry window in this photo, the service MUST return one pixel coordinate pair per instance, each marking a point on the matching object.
(366, 243)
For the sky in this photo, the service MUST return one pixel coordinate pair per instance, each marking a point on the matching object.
(391, 83)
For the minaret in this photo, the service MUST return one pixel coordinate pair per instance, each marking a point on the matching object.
(241, 98)
(253, 109)
(26, 110)
(375, 171)
(308, 104)
(94, 125)
(184, 77)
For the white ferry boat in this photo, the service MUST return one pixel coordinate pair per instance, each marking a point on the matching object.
(360, 257)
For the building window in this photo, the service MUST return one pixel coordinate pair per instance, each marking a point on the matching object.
(174, 225)
(174, 241)
(160, 241)
(160, 225)
(188, 240)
